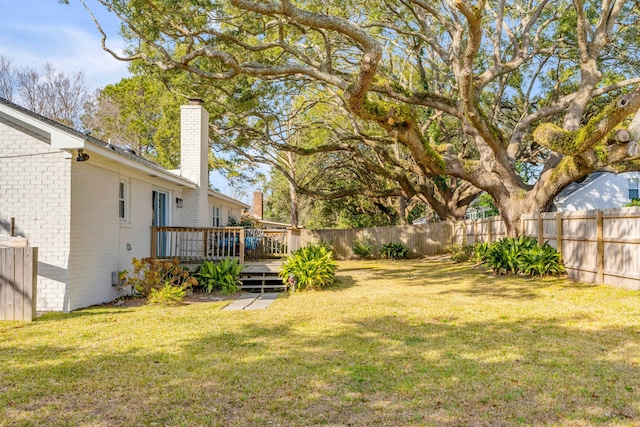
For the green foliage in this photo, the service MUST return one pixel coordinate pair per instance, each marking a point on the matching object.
(480, 251)
(223, 276)
(461, 253)
(167, 295)
(363, 248)
(394, 251)
(523, 255)
(633, 202)
(151, 274)
(542, 260)
(312, 267)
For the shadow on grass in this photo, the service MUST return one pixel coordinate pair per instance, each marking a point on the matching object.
(382, 370)
(88, 312)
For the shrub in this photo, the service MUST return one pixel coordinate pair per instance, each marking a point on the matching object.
(461, 253)
(362, 248)
(542, 260)
(394, 251)
(480, 251)
(152, 274)
(312, 267)
(633, 202)
(223, 276)
(167, 295)
(523, 254)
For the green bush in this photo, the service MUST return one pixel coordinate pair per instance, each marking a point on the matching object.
(363, 248)
(167, 295)
(311, 267)
(523, 255)
(633, 202)
(152, 274)
(223, 276)
(394, 251)
(542, 260)
(461, 253)
(480, 251)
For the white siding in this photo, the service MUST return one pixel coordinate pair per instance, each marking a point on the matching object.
(34, 189)
(99, 238)
(608, 191)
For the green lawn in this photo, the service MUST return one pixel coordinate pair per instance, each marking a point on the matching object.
(392, 344)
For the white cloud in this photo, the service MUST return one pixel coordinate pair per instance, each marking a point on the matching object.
(71, 44)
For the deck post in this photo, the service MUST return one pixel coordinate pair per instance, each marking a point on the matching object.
(241, 254)
(154, 242)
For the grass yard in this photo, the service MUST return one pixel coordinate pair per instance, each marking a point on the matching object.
(392, 344)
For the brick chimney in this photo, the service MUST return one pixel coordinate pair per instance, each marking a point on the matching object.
(257, 204)
(194, 162)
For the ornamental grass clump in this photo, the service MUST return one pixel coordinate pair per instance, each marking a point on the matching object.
(309, 268)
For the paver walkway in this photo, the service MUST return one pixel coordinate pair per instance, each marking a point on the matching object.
(249, 301)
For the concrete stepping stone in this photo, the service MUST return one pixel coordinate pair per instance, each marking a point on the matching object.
(241, 302)
(262, 302)
(249, 301)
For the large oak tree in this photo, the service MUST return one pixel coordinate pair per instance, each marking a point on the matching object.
(542, 82)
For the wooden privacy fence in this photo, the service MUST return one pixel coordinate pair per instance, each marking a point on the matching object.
(18, 283)
(596, 246)
(422, 239)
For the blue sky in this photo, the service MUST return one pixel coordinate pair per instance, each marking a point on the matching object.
(34, 32)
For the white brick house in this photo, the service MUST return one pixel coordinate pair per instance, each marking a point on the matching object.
(89, 206)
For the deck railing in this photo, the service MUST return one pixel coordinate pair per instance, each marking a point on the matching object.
(276, 243)
(197, 244)
(190, 244)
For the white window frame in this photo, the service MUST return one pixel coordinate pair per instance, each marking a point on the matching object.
(634, 187)
(124, 201)
(216, 216)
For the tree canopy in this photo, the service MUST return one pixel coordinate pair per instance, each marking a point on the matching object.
(469, 91)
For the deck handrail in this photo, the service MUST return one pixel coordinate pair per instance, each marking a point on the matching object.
(198, 243)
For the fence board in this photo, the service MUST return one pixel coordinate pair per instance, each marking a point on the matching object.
(18, 283)
(422, 239)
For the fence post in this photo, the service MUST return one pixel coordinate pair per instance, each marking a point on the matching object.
(559, 232)
(540, 229)
(600, 239)
(490, 231)
(241, 246)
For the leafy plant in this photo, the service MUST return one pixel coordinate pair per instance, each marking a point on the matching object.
(461, 253)
(633, 202)
(311, 267)
(223, 276)
(480, 251)
(394, 251)
(363, 248)
(149, 274)
(167, 295)
(542, 260)
(523, 254)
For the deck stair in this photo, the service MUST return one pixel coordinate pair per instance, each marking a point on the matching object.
(261, 276)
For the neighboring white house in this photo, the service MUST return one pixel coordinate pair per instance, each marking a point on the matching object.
(599, 190)
(89, 206)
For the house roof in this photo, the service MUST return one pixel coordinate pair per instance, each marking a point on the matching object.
(575, 186)
(52, 130)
